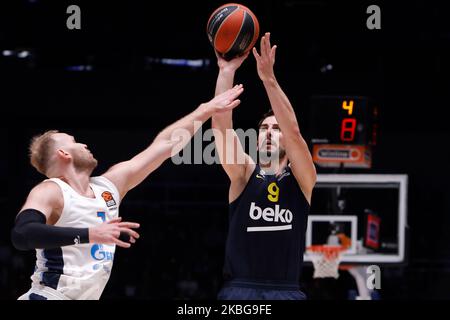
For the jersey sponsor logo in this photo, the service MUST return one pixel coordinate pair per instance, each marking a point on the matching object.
(107, 196)
(98, 253)
(77, 240)
(270, 215)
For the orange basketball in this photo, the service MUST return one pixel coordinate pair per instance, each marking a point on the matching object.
(232, 30)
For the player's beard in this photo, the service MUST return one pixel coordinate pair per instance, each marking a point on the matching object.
(267, 156)
(85, 162)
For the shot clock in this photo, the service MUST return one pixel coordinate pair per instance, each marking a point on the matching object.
(342, 130)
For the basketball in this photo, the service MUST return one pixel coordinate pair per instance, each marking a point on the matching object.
(232, 30)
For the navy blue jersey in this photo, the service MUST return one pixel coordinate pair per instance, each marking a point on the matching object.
(267, 226)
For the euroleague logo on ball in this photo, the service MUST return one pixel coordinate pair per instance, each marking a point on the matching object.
(232, 30)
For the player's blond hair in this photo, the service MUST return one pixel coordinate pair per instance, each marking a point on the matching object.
(40, 150)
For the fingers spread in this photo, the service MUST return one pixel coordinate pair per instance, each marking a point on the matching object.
(130, 232)
(273, 51)
(255, 54)
(268, 46)
(237, 90)
(121, 243)
(263, 40)
(232, 93)
(133, 225)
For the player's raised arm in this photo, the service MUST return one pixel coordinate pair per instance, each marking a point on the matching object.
(34, 230)
(236, 163)
(296, 148)
(128, 174)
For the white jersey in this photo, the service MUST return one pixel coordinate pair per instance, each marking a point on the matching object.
(79, 271)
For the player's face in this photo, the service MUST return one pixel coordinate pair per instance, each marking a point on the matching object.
(270, 137)
(83, 159)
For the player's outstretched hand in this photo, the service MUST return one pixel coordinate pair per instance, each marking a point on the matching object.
(109, 233)
(265, 59)
(225, 101)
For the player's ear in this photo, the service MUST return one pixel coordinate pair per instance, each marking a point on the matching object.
(62, 154)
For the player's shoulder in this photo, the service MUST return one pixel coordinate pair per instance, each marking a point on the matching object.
(46, 186)
(47, 190)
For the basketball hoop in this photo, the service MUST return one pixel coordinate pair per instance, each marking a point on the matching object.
(326, 259)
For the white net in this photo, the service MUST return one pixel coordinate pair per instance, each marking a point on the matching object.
(326, 262)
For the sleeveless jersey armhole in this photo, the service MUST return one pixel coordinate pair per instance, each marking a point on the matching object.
(298, 185)
(65, 191)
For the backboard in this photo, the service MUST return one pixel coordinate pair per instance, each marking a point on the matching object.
(368, 210)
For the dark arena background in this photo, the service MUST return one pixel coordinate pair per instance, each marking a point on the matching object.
(135, 67)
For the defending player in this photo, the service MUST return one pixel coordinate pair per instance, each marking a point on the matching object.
(72, 219)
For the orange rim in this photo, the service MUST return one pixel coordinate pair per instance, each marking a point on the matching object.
(330, 252)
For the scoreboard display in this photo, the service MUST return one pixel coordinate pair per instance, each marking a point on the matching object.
(342, 130)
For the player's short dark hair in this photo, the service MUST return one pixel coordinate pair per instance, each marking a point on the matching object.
(265, 115)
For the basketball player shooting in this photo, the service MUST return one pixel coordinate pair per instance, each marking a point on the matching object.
(269, 201)
(72, 219)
